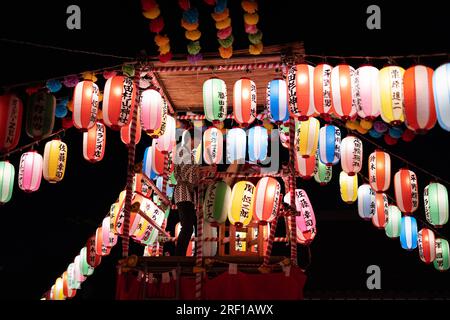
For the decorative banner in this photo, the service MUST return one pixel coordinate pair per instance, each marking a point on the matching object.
(349, 187)
(244, 101)
(307, 137)
(306, 167)
(236, 145)
(258, 141)
(392, 100)
(55, 157)
(7, 173)
(442, 261)
(266, 200)
(441, 90)
(394, 222)
(420, 112)
(436, 204)
(85, 105)
(406, 191)
(408, 233)
(343, 89)
(322, 173)
(191, 247)
(240, 210)
(329, 145)
(40, 115)
(118, 101)
(30, 171)
(368, 98)
(379, 170)
(94, 141)
(381, 215)
(351, 155)
(92, 258)
(215, 100)
(322, 91)
(151, 109)
(166, 142)
(301, 91)
(366, 202)
(427, 245)
(216, 202)
(277, 101)
(11, 110)
(212, 146)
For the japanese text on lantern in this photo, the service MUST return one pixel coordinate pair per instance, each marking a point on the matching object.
(292, 89)
(396, 81)
(125, 107)
(94, 104)
(12, 125)
(357, 153)
(99, 141)
(414, 191)
(61, 160)
(327, 89)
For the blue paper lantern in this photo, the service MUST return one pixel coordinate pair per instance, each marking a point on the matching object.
(258, 141)
(329, 145)
(366, 201)
(147, 163)
(277, 100)
(159, 185)
(408, 233)
(441, 90)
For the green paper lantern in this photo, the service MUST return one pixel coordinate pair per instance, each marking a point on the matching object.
(40, 115)
(442, 261)
(394, 222)
(215, 99)
(6, 181)
(322, 173)
(436, 204)
(217, 200)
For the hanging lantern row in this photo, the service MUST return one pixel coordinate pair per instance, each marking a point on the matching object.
(190, 22)
(221, 16)
(251, 19)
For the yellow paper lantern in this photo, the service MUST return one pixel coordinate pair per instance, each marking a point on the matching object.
(349, 187)
(392, 98)
(55, 156)
(240, 211)
(307, 137)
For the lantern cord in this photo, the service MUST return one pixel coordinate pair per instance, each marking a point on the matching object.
(435, 177)
(389, 58)
(423, 222)
(32, 144)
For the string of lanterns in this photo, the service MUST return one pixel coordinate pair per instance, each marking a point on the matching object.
(190, 22)
(251, 19)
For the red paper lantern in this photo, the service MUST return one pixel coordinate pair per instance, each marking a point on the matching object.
(94, 141)
(85, 105)
(118, 101)
(379, 171)
(406, 191)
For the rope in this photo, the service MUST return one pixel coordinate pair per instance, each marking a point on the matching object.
(230, 67)
(268, 253)
(199, 244)
(260, 116)
(164, 188)
(291, 181)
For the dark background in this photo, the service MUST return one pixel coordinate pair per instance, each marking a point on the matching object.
(42, 232)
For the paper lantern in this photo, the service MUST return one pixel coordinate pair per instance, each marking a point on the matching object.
(436, 204)
(11, 110)
(55, 157)
(408, 233)
(40, 115)
(162, 128)
(72, 277)
(266, 202)
(240, 210)
(169, 188)
(209, 247)
(349, 187)
(381, 215)
(329, 144)
(216, 202)
(307, 137)
(366, 201)
(258, 141)
(406, 191)
(215, 99)
(442, 261)
(306, 220)
(394, 222)
(125, 132)
(305, 167)
(322, 173)
(158, 160)
(152, 105)
(379, 170)
(236, 145)
(427, 245)
(191, 246)
(108, 237)
(118, 101)
(147, 163)
(67, 291)
(277, 101)
(301, 91)
(351, 155)
(368, 98)
(100, 247)
(322, 90)
(85, 269)
(30, 171)
(167, 141)
(392, 99)
(420, 112)
(212, 146)
(7, 173)
(244, 101)
(343, 90)
(85, 104)
(59, 294)
(91, 257)
(441, 91)
(94, 141)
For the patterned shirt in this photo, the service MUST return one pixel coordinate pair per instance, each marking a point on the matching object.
(187, 177)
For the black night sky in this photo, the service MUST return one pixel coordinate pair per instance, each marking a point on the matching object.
(42, 232)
